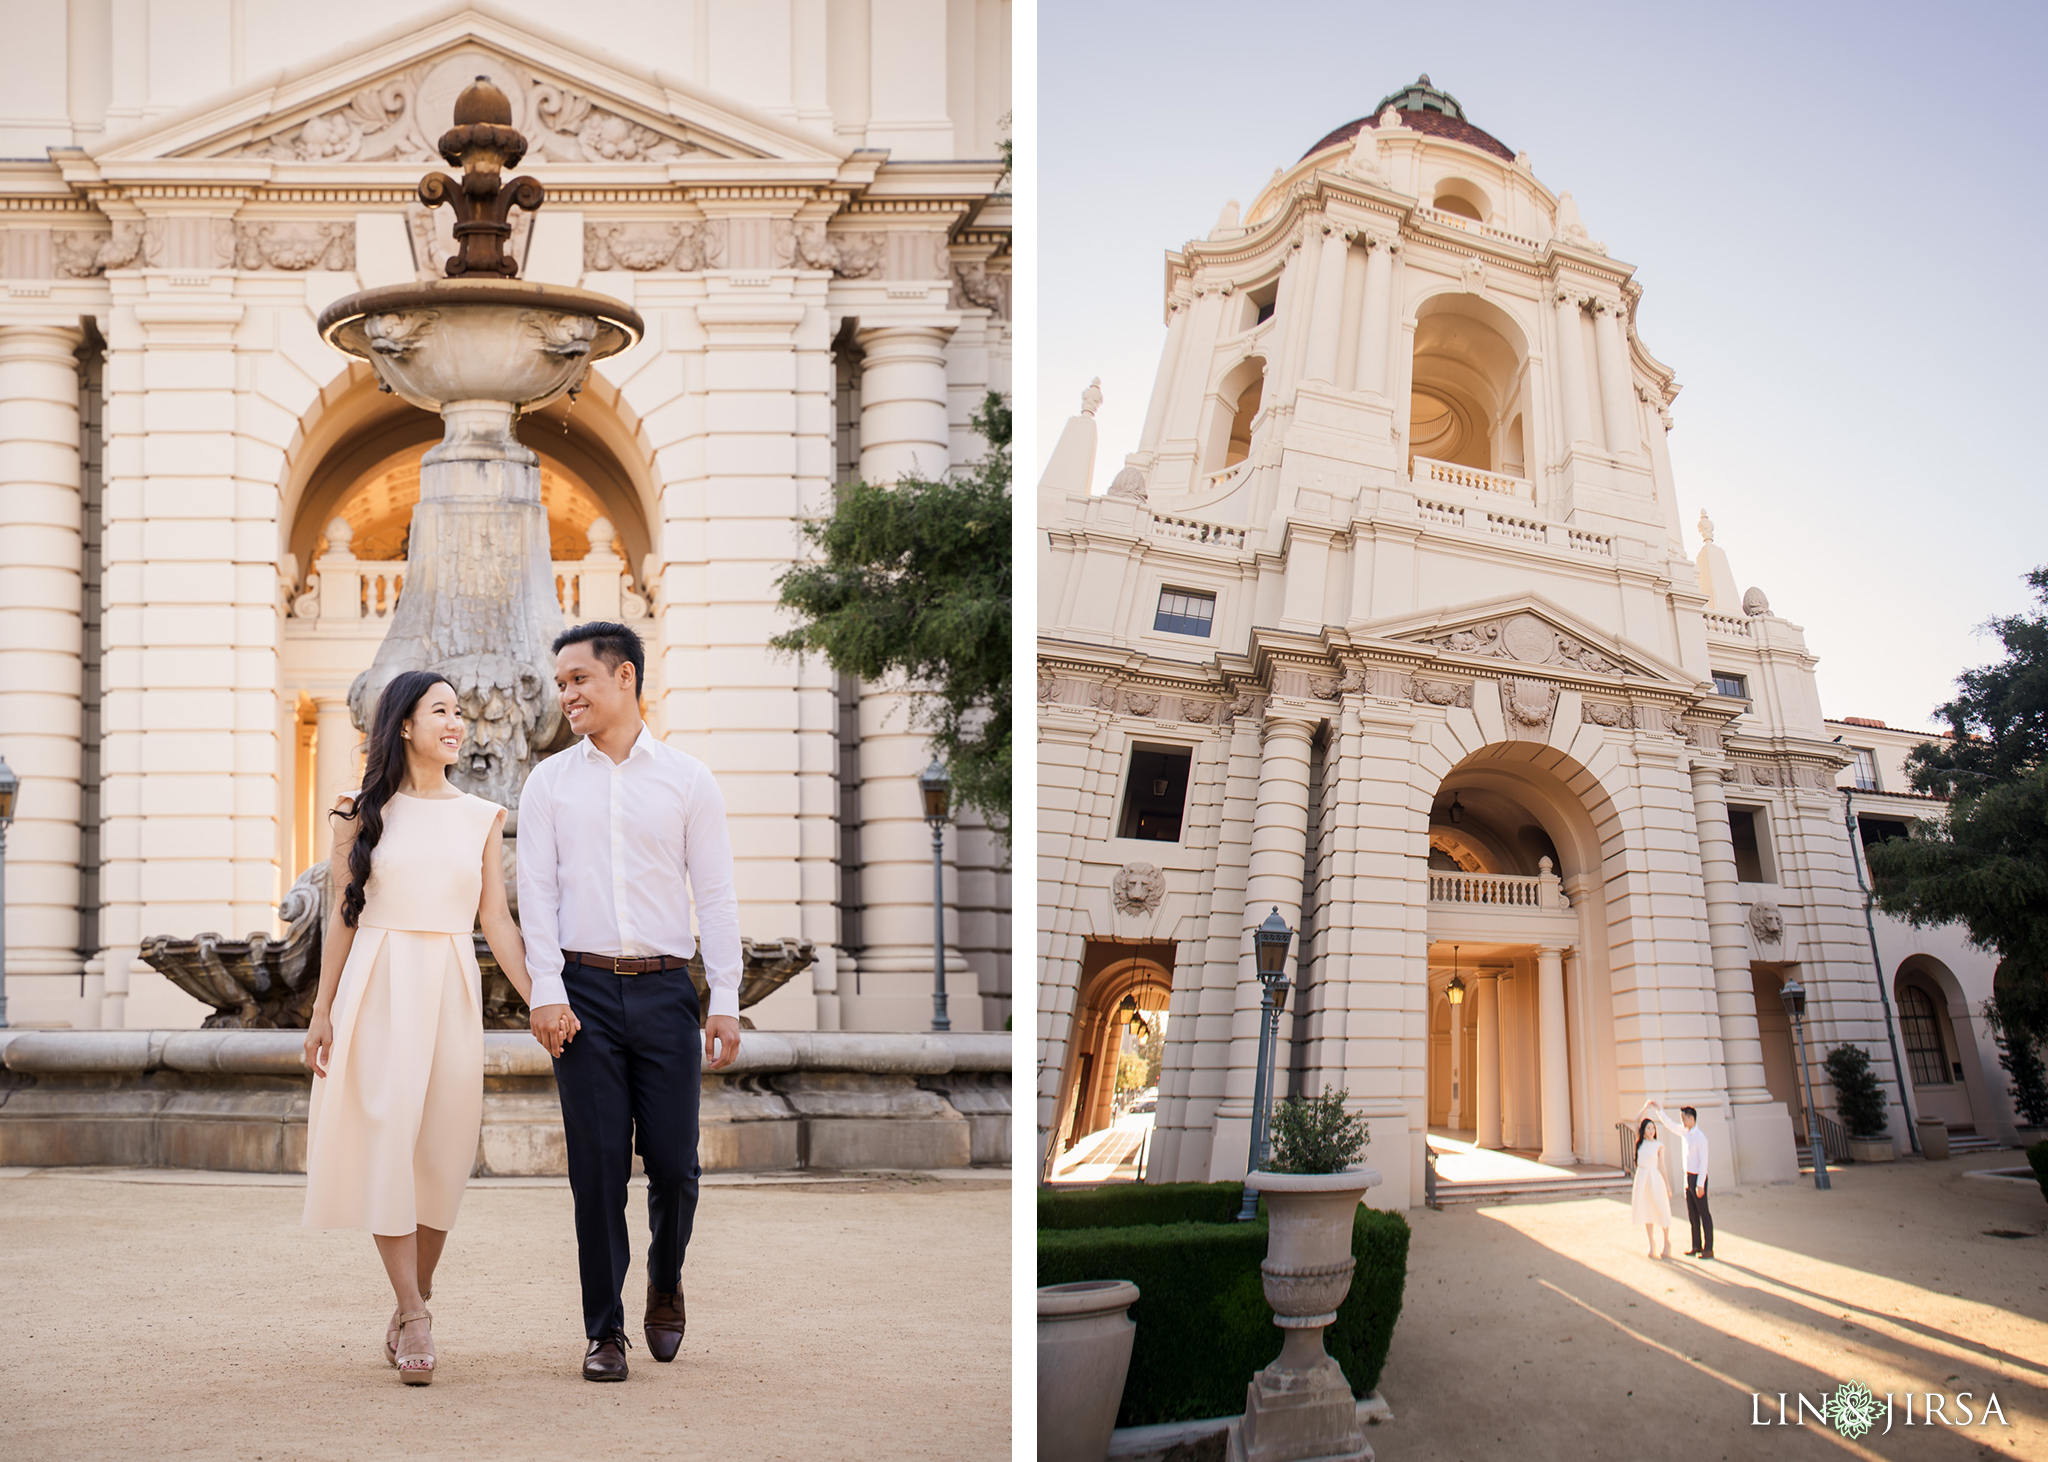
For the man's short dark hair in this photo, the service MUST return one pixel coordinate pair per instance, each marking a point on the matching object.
(1688, 1112)
(614, 644)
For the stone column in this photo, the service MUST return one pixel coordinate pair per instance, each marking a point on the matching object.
(1486, 1080)
(41, 641)
(1372, 333)
(1571, 364)
(1553, 1056)
(1617, 396)
(1326, 319)
(1179, 309)
(1741, 1043)
(335, 740)
(1273, 880)
(903, 432)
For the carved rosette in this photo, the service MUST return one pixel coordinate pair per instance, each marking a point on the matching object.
(1137, 888)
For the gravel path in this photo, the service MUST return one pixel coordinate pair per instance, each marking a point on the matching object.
(155, 1315)
(1539, 1330)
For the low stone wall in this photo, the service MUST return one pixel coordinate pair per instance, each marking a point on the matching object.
(235, 1100)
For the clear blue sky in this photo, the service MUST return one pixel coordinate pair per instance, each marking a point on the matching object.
(1837, 214)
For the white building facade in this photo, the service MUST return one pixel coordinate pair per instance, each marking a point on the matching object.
(1389, 624)
(203, 508)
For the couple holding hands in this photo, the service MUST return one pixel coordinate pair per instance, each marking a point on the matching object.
(610, 830)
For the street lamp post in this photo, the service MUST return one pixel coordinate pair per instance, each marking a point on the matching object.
(9, 785)
(937, 788)
(1269, 942)
(1794, 996)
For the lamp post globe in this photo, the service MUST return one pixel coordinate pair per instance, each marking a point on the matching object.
(9, 785)
(936, 786)
(1270, 942)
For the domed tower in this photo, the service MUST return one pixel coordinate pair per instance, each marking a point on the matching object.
(1388, 626)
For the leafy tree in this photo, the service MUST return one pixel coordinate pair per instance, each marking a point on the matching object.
(1858, 1096)
(912, 583)
(1130, 1071)
(1983, 862)
(2021, 1059)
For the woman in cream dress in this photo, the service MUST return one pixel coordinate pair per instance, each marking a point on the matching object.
(396, 1037)
(1651, 1200)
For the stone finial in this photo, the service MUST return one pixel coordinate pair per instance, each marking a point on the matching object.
(1706, 527)
(1091, 399)
(1754, 603)
(1228, 220)
(1390, 119)
(340, 535)
(602, 535)
(1129, 483)
(484, 144)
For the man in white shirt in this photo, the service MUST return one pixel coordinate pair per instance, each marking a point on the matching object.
(1696, 1185)
(609, 832)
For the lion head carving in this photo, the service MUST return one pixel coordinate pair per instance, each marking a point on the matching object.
(1137, 888)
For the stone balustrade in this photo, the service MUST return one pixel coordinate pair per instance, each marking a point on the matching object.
(1187, 530)
(236, 1100)
(1511, 890)
(1734, 626)
(1455, 474)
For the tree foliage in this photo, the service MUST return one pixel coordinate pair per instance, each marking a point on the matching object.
(1983, 862)
(912, 583)
(1858, 1096)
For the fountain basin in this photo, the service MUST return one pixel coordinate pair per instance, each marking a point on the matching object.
(493, 342)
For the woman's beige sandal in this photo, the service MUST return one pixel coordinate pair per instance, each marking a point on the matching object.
(415, 1356)
(391, 1330)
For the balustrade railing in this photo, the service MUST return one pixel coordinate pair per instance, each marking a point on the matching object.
(1509, 890)
(1188, 530)
(1728, 624)
(1454, 474)
(345, 591)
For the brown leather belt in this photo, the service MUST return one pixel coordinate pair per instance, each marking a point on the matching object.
(626, 964)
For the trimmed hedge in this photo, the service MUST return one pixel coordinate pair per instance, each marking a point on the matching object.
(1125, 1205)
(2037, 1158)
(1204, 1328)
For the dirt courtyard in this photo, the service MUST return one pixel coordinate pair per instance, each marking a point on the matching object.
(152, 1314)
(1539, 1330)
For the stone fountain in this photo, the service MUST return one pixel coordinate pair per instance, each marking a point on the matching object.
(480, 347)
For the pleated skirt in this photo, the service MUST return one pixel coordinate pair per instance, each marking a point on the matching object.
(391, 1137)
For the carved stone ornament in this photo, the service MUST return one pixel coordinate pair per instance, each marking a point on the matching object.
(1528, 640)
(975, 285)
(295, 246)
(1129, 483)
(1363, 161)
(1048, 687)
(1607, 713)
(1198, 712)
(1324, 688)
(1441, 692)
(643, 247)
(1754, 603)
(1246, 704)
(398, 119)
(1528, 706)
(1102, 696)
(805, 244)
(1766, 923)
(398, 336)
(1140, 703)
(1137, 888)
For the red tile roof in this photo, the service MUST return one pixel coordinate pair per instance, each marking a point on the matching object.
(1433, 124)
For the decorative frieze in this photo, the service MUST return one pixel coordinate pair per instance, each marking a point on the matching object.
(1439, 692)
(1608, 713)
(642, 247)
(295, 246)
(1529, 640)
(975, 285)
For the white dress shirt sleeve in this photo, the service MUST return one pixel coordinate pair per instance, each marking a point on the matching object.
(540, 894)
(1696, 1152)
(707, 852)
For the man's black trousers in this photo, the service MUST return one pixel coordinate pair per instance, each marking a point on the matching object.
(1696, 1210)
(629, 1082)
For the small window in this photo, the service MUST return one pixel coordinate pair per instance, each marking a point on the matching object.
(1735, 685)
(1265, 313)
(1156, 794)
(1874, 830)
(1924, 1051)
(1865, 770)
(1185, 612)
(1748, 840)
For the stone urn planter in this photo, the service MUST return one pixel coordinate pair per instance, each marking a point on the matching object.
(1084, 1354)
(1301, 1405)
(1933, 1138)
(1871, 1149)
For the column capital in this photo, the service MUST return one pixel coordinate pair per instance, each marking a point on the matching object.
(1286, 721)
(1709, 772)
(53, 341)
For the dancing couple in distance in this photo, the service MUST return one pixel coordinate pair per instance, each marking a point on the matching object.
(610, 829)
(1650, 1203)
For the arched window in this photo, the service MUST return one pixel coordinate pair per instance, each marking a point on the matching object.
(1924, 1050)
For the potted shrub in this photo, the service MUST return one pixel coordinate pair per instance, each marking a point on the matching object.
(1860, 1100)
(1301, 1405)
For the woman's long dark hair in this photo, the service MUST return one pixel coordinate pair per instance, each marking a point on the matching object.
(383, 774)
(1645, 1130)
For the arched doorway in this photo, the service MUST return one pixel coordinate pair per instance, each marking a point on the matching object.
(1935, 1041)
(1120, 1025)
(1517, 933)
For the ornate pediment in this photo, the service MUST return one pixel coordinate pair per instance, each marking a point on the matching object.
(391, 97)
(400, 116)
(1529, 633)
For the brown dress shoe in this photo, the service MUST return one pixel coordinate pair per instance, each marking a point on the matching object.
(606, 1358)
(665, 1323)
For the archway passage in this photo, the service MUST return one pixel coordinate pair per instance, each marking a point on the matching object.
(1467, 393)
(1108, 1089)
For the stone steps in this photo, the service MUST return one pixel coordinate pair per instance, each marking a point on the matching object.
(1578, 1187)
